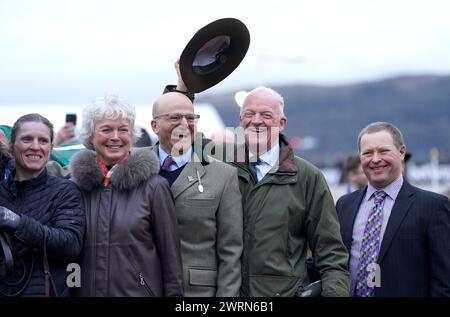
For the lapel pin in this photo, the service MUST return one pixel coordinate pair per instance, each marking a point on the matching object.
(200, 186)
(190, 178)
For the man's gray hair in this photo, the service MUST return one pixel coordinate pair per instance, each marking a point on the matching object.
(382, 126)
(112, 107)
(266, 90)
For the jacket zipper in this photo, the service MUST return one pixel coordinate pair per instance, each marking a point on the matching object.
(144, 283)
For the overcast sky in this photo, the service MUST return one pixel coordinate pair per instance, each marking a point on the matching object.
(74, 51)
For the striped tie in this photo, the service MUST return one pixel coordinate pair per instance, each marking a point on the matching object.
(370, 246)
(168, 161)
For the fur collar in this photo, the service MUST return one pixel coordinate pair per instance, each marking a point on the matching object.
(141, 165)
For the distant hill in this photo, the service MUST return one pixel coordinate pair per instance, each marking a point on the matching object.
(334, 115)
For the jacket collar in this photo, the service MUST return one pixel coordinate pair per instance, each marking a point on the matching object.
(142, 163)
(193, 170)
(348, 216)
(286, 162)
(179, 161)
(191, 174)
(198, 149)
(18, 186)
(400, 209)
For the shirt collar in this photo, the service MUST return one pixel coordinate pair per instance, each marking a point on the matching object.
(391, 190)
(180, 160)
(270, 157)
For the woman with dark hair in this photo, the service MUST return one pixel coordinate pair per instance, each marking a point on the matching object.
(42, 217)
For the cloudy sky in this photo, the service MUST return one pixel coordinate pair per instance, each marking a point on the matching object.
(55, 51)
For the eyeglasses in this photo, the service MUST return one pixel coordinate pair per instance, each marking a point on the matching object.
(177, 117)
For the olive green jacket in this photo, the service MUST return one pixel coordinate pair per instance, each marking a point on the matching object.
(210, 226)
(286, 212)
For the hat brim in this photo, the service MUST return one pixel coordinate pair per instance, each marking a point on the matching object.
(197, 81)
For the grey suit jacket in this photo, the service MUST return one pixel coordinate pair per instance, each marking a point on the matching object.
(210, 226)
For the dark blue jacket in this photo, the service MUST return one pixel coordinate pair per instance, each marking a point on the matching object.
(414, 255)
(45, 204)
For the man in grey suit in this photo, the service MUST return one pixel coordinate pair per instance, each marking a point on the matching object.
(398, 235)
(207, 201)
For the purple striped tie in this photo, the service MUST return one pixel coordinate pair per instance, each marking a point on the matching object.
(370, 246)
(168, 161)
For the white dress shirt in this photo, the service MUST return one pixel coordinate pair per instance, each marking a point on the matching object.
(179, 161)
(268, 161)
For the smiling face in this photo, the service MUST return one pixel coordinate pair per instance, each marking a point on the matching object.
(112, 139)
(171, 123)
(31, 148)
(380, 158)
(262, 121)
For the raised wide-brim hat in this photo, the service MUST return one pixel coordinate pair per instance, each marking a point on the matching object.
(213, 53)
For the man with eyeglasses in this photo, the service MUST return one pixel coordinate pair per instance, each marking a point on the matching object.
(207, 200)
(287, 206)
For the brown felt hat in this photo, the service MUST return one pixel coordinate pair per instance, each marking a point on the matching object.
(213, 53)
